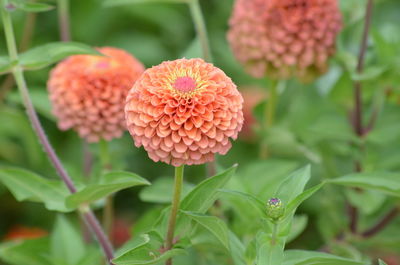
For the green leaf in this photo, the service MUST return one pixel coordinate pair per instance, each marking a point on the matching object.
(213, 224)
(258, 205)
(370, 73)
(293, 204)
(302, 257)
(128, 2)
(381, 262)
(147, 252)
(293, 185)
(202, 197)
(268, 253)
(47, 54)
(161, 190)
(385, 182)
(109, 184)
(32, 252)
(367, 201)
(66, 243)
(298, 225)
(25, 185)
(34, 7)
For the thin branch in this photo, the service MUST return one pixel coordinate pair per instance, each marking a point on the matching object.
(381, 224)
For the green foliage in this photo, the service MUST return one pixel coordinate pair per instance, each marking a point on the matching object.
(108, 184)
(25, 185)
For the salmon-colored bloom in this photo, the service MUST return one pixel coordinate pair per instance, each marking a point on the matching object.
(284, 38)
(184, 111)
(88, 92)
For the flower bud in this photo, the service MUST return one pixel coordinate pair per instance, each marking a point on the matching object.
(275, 209)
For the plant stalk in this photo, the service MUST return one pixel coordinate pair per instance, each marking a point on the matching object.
(63, 19)
(275, 230)
(108, 211)
(381, 224)
(201, 29)
(174, 209)
(35, 123)
(357, 120)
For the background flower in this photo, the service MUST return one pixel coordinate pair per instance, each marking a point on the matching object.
(88, 92)
(184, 111)
(284, 38)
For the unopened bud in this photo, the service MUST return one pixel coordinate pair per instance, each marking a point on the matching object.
(275, 209)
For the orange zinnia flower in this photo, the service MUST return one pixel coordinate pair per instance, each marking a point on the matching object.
(284, 38)
(88, 92)
(21, 232)
(184, 111)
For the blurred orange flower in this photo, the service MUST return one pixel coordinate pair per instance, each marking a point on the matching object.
(184, 111)
(252, 96)
(88, 92)
(284, 38)
(21, 232)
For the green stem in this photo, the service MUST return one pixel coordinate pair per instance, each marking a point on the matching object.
(269, 114)
(105, 157)
(274, 237)
(63, 20)
(174, 209)
(270, 108)
(201, 29)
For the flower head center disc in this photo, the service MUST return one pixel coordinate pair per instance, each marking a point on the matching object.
(185, 84)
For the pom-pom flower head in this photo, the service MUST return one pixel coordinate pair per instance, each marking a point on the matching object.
(284, 38)
(184, 111)
(88, 92)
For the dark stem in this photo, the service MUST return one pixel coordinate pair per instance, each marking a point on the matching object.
(36, 125)
(94, 225)
(381, 224)
(357, 121)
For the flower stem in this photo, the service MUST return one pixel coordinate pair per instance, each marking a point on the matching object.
(174, 209)
(63, 19)
(357, 119)
(200, 25)
(108, 211)
(271, 104)
(269, 114)
(35, 122)
(274, 233)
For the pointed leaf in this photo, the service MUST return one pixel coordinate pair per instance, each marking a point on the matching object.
(47, 54)
(302, 257)
(213, 224)
(109, 184)
(5, 64)
(292, 206)
(66, 243)
(381, 262)
(34, 7)
(253, 201)
(294, 184)
(25, 185)
(146, 252)
(385, 182)
(202, 197)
